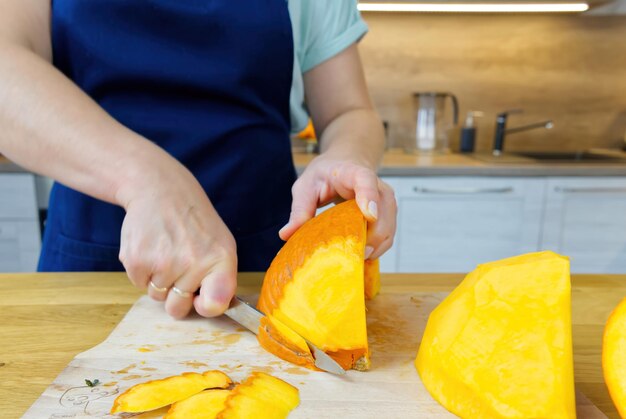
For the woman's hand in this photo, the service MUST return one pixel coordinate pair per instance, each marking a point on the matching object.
(326, 179)
(173, 237)
(351, 139)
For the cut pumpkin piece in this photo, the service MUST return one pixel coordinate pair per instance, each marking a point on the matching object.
(614, 357)
(500, 345)
(204, 405)
(158, 393)
(277, 338)
(260, 396)
(372, 278)
(315, 287)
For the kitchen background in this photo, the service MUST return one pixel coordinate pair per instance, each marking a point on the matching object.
(457, 210)
(568, 68)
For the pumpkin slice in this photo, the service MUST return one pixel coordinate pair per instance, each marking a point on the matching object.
(283, 342)
(372, 278)
(315, 285)
(204, 405)
(500, 345)
(158, 393)
(614, 357)
(260, 396)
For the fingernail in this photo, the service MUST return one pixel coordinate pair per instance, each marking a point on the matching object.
(368, 251)
(214, 305)
(372, 208)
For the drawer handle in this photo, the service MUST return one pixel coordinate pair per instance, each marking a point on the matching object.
(589, 190)
(463, 191)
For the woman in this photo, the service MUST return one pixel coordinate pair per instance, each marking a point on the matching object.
(166, 124)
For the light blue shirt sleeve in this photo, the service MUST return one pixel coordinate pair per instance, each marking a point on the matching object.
(321, 30)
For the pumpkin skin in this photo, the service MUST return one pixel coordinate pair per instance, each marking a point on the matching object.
(614, 357)
(315, 287)
(500, 345)
(277, 338)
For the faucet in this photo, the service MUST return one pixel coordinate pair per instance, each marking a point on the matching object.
(501, 129)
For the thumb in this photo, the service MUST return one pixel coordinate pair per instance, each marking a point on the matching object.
(303, 208)
(217, 289)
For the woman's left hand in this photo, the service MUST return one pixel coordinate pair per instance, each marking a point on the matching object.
(326, 179)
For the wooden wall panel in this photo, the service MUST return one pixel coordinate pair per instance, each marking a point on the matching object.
(569, 68)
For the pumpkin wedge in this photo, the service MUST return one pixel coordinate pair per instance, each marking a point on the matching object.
(614, 357)
(204, 405)
(260, 396)
(315, 287)
(155, 394)
(500, 345)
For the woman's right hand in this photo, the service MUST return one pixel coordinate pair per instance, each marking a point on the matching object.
(174, 237)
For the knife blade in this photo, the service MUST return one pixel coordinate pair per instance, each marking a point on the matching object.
(250, 318)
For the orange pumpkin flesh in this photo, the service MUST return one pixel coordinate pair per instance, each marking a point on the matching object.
(204, 405)
(155, 394)
(500, 345)
(260, 396)
(315, 287)
(614, 357)
(372, 278)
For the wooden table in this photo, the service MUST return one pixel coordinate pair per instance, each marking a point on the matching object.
(46, 319)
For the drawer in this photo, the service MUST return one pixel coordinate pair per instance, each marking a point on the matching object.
(18, 199)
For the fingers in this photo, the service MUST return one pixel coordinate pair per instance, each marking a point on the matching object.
(380, 233)
(366, 193)
(136, 265)
(157, 289)
(218, 288)
(216, 278)
(303, 206)
(354, 181)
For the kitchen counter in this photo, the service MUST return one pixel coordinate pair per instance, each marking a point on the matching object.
(397, 163)
(46, 319)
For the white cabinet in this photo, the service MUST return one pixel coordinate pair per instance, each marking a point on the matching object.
(450, 224)
(585, 219)
(19, 223)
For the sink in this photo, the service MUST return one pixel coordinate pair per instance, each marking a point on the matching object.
(564, 157)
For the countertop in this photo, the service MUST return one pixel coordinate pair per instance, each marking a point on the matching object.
(397, 163)
(46, 319)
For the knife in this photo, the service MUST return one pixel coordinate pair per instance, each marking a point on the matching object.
(250, 318)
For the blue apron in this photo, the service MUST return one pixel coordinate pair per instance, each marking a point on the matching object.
(206, 80)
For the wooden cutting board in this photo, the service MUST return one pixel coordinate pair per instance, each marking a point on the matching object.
(148, 344)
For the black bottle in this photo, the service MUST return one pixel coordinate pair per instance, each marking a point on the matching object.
(468, 132)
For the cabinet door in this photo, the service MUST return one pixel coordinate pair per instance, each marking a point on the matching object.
(17, 196)
(19, 245)
(19, 223)
(451, 224)
(585, 219)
